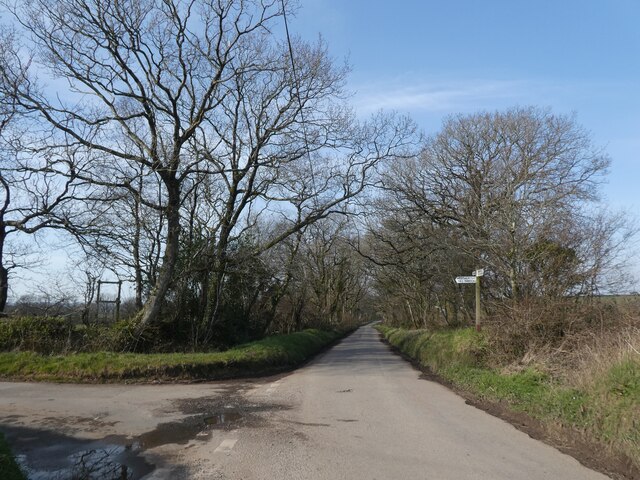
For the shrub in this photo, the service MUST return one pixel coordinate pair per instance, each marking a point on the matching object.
(535, 330)
(55, 335)
(39, 334)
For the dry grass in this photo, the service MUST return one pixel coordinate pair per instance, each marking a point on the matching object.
(565, 335)
(595, 356)
(588, 348)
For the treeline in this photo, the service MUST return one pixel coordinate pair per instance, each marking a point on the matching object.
(515, 193)
(189, 150)
(193, 152)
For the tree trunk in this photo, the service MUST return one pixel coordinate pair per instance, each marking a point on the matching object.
(513, 281)
(136, 248)
(214, 294)
(4, 272)
(4, 287)
(153, 305)
(220, 263)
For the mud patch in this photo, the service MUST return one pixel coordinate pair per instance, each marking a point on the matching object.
(54, 456)
(73, 424)
(230, 410)
(232, 400)
(11, 419)
(205, 414)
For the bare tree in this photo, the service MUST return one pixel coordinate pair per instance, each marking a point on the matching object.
(151, 71)
(32, 195)
(196, 89)
(515, 192)
(505, 181)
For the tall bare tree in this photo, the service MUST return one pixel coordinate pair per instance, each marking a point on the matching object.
(151, 71)
(33, 197)
(196, 92)
(504, 180)
(515, 192)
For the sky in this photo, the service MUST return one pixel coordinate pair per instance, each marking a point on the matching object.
(433, 58)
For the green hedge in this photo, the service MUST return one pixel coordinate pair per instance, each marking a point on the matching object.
(49, 335)
(266, 356)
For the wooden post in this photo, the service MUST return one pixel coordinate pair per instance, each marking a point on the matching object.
(478, 307)
(118, 300)
(98, 301)
(475, 278)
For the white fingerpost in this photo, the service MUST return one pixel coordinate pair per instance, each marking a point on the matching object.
(475, 278)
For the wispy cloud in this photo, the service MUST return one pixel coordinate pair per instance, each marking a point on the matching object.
(440, 96)
(419, 95)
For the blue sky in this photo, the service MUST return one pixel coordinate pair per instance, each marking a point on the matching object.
(432, 58)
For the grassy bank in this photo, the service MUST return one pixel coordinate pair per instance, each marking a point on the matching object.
(8, 467)
(266, 356)
(605, 409)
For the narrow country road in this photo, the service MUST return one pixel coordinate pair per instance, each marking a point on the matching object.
(357, 412)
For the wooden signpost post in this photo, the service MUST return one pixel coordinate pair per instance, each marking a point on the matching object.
(475, 278)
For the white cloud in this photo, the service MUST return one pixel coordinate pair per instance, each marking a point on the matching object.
(441, 96)
(419, 95)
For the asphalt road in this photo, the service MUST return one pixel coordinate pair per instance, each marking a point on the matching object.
(357, 412)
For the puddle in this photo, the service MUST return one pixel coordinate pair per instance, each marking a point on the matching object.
(188, 429)
(52, 452)
(165, 433)
(46, 455)
(222, 418)
(109, 463)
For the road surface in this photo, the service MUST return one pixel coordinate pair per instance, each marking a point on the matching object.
(357, 412)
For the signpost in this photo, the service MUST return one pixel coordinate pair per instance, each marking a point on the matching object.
(465, 279)
(478, 311)
(475, 279)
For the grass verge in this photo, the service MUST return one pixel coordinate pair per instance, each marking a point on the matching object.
(9, 469)
(267, 356)
(606, 412)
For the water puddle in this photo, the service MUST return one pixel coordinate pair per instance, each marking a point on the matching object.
(183, 431)
(46, 455)
(222, 418)
(51, 451)
(110, 463)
